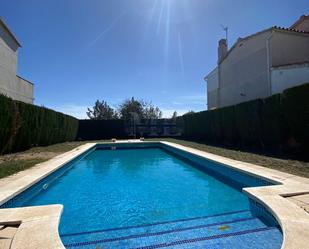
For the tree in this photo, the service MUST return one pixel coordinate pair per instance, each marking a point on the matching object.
(189, 113)
(152, 112)
(140, 108)
(174, 115)
(101, 110)
(130, 106)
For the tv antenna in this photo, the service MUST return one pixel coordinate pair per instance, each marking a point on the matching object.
(226, 29)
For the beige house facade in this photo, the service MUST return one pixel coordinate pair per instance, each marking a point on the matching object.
(260, 65)
(11, 84)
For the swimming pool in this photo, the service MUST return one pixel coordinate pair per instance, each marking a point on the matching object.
(152, 196)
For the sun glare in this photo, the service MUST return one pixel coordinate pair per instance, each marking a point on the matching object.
(165, 14)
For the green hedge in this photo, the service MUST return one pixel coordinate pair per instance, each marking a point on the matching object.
(270, 122)
(295, 102)
(275, 130)
(248, 123)
(101, 129)
(228, 125)
(23, 126)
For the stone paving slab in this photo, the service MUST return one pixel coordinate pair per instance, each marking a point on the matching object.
(5, 243)
(301, 200)
(8, 232)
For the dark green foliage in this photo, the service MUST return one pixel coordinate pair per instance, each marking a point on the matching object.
(138, 109)
(101, 111)
(274, 127)
(201, 125)
(295, 102)
(269, 122)
(23, 126)
(248, 123)
(215, 126)
(228, 125)
(5, 121)
(188, 125)
(101, 129)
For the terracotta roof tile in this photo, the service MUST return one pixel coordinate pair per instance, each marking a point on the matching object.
(289, 29)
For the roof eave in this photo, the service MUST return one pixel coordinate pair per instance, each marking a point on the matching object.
(9, 32)
(274, 28)
(244, 39)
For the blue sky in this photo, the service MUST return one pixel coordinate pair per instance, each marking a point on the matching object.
(77, 51)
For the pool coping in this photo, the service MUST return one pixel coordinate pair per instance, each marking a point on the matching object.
(41, 223)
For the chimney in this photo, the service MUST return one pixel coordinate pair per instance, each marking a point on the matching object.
(222, 50)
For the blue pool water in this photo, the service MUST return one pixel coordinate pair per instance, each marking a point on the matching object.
(151, 198)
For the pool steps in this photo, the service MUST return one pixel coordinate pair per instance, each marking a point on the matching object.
(184, 233)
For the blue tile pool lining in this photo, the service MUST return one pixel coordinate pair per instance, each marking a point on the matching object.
(179, 242)
(174, 242)
(212, 222)
(157, 233)
(154, 224)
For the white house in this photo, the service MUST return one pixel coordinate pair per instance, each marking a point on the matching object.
(260, 65)
(11, 84)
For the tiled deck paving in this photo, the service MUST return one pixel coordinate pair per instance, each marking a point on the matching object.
(301, 200)
(7, 234)
(38, 225)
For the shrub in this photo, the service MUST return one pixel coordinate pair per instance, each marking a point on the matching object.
(295, 102)
(205, 125)
(273, 124)
(5, 121)
(248, 123)
(228, 125)
(215, 130)
(24, 125)
(266, 122)
(101, 129)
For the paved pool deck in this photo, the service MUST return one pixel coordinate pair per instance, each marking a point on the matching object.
(37, 227)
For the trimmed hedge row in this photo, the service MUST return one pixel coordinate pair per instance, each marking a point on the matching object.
(24, 125)
(101, 129)
(271, 122)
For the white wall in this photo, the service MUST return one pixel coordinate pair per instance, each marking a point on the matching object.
(212, 89)
(289, 47)
(11, 85)
(286, 77)
(244, 74)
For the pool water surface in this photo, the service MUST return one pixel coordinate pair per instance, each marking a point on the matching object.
(151, 198)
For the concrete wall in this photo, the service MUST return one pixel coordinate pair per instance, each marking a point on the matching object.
(8, 57)
(286, 77)
(7, 38)
(10, 84)
(288, 48)
(244, 74)
(212, 89)
(15, 87)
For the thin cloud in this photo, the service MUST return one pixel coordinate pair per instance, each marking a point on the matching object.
(107, 29)
(168, 113)
(77, 111)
